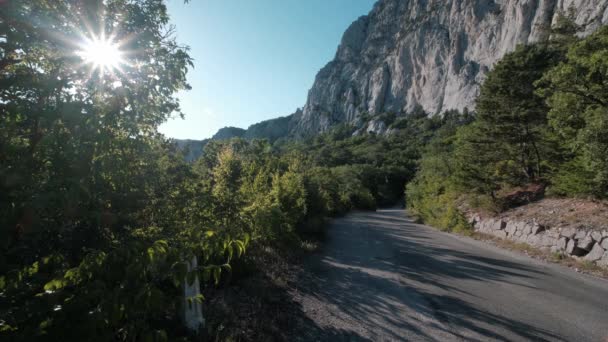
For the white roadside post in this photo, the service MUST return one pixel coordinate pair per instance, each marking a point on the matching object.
(193, 309)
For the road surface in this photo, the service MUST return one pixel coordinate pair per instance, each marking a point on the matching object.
(381, 277)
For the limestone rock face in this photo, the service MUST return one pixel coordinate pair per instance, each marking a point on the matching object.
(432, 53)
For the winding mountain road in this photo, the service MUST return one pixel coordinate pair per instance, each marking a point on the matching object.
(382, 277)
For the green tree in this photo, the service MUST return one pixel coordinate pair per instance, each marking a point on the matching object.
(509, 143)
(577, 94)
(97, 212)
(433, 194)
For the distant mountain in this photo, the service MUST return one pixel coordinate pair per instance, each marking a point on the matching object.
(228, 133)
(272, 129)
(193, 148)
(432, 53)
(428, 54)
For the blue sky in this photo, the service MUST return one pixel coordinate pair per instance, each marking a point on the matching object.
(254, 59)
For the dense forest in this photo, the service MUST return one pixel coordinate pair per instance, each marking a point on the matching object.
(100, 213)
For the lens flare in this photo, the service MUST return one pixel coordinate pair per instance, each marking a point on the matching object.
(102, 54)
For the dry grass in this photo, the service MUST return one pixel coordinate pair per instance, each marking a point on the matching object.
(309, 246)
(563, 212)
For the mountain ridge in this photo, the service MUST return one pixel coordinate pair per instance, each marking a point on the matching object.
(420, 53)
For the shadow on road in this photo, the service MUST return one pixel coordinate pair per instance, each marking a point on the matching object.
(383, 272)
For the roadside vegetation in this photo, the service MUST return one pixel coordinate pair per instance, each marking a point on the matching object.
(540, 127)
(100, 213)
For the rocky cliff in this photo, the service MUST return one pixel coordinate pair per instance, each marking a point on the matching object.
(432, 53)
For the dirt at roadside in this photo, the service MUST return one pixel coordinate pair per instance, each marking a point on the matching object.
(256, 304)
(563, 212)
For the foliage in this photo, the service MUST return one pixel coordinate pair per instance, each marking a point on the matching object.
(98, 212)
(577, 95)
(433, 194)
(541, 118)
(509, 143)
(368, 169)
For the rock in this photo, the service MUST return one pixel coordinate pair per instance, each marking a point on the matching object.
(473, 219)
(499, 225)
(562, 243)
(511, 228)
(547, 240)
(376, 127)
(534, 240)
(585, 244)
(537, 228)
(603, 262)
(568, 232)
(570, 247)
(596, 236)
(488, 226)
(580, 234)
(391, 131)
(478, 225)
(406, 54)
(604, 243)
(596, 253)
(500, 234)
(527, 229)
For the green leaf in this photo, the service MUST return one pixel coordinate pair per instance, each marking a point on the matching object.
(71, 274)
(54, 285)
(199, 298)
(151, 254)
(216, 275)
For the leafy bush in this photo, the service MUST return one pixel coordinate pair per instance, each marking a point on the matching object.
(433, 194)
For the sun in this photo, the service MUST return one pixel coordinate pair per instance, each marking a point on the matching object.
(102, 54)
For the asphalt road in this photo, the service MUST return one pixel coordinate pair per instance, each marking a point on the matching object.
(379, 277)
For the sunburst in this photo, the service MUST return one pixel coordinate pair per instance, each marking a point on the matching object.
(103, 54)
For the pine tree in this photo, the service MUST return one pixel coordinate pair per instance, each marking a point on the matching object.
(577, 94)
(508, 144)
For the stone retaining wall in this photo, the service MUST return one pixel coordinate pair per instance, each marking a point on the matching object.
(590, 245)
